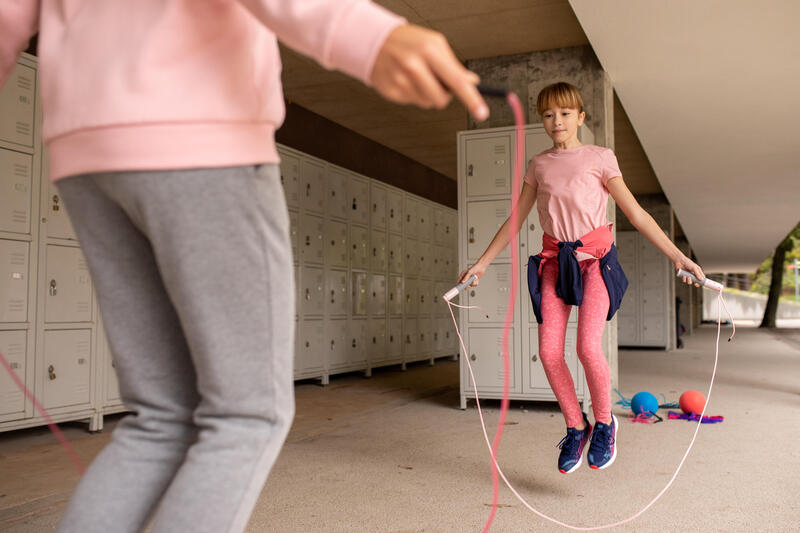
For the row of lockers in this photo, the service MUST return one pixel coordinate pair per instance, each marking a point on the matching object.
(68, 288)
(324, 189)
(332, 243)
(339, 292)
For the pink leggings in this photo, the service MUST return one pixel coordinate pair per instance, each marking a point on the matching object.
(591, 321)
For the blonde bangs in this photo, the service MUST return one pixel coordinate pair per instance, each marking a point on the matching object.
(559, 94)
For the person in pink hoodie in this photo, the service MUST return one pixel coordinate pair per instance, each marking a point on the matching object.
(159, 119)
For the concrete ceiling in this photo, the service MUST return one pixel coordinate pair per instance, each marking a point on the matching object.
(709, 89)
(685, 73)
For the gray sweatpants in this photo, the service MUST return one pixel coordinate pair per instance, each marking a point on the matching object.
(193, 273)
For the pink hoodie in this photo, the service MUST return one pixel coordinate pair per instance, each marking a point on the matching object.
(164, 84)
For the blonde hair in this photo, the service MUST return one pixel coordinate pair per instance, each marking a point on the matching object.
(561, 94)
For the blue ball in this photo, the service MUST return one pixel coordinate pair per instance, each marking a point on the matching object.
(643, 402)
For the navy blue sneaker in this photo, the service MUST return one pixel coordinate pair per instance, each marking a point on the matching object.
(572, 446)
(603, 449)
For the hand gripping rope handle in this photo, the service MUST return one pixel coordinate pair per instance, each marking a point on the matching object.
(513, 101)
(449, 295)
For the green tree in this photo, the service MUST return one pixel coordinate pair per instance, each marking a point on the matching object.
(785, 253)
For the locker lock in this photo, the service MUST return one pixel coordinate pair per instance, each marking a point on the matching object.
(532, 227)
(282, 180)
(53, 288)
(354, 343)
(374, 252)
(374, 208)
(470, 169)
(308, 344)
(51, 372)
(308, 240)
(391, 212)
(391, 338)
(308, 294)
(534, 358)
(355, 205)
(308, 189)
(374, 340)
(472, 293)
(56, 207)
(333, 294)
(473, 357)
(471, 235)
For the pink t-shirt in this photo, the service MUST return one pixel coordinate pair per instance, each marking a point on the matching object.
(570, 185)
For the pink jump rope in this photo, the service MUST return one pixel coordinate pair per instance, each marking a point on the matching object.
(513, 101)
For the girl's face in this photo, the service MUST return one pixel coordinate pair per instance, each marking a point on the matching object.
(561, 124)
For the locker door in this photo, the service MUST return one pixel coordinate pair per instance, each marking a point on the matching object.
(491, 295)
(67, 367)
(310, 353)
(312, 291)
(358, 199)
(377, 295)
(425, 329)
(13, 345)
(488, 166)
(425, 259)
(424, 221)
(486, 358)
(410, 337)
(336, 292)
(294, 232)
(312, 235)
(411, 305)
(535, 143)
(394, 339)
(653, 330)
(377, 341)
(290, 178)
(337, 336)
(16, 106)
(451, 266)
(336, 244)
(111, 388)
(14, 260)
(440, 306)
(312, 186)
(394, 211)
(359, 247)
(396, 295)
(411, 262)
(15, 190)
(425, 297)
(439, 346)
(378, 211)
(58, 223)
(337, 204)
(69, 289)
(377, 258)
(411, 218)
(451, 229)
(359, 293)
(357, 343)
(395, 253)
(439, 223)
(483, 221)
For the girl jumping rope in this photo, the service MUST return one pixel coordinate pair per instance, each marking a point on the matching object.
(570, 183)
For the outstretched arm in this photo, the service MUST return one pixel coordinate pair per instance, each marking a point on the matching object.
(526, 200)
(648, 227)
(19, 20)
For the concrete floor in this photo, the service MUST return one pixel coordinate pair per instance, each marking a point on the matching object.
(393, 453)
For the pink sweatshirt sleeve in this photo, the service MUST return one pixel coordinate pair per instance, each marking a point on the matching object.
(19, 20)
(339, 34)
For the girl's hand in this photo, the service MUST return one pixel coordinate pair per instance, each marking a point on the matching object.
(689, 266)
(477, 269)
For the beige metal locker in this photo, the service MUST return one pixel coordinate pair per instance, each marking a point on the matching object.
(425, 260)
(377, 341)
(410, 338)
(486, 358)
(336, 292)
(310, 349)
(491, 295)
(377, 295)
(358, 199)
(395, 254)
(424, 221)
(359, 247)
(396, 295)
(411, 305)
(312, 291)
(488, 166)
(294, 235)
(312, 185)
(111, 394)
(378, 211)
(14, 268)
(394, 339)
(426, 297)
(359, 295)
(378, 252)
(411, 263)
(69, 289)
(337, 204)
(411, 217)
(439, 224)
(290, 178)
(336, 249)
(67, 368)
(484, 218)
(17, 99)
(337, 335)
(357, 343)
(394, 211)
(312, 238)
(16, 184)
(13, 345)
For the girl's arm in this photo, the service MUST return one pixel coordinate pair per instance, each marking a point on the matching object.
(648, 227)
(527, 197)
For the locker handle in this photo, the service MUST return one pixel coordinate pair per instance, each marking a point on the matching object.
(473, 357)
(391, 338)
(282, 180)
(391, 212)
(14, 365)
(308, 294)
(472, 293)
(374, 208)
(308, 344)
(332, 343)
(333, 294)
(472, 235)
(354, 343)
(534, 358)
(308, 240)
(51, 372)
(53, 287)
(374, 252)
(355, 205)
(470, 169)
(308, 189)
(532, 227)
(374, 340)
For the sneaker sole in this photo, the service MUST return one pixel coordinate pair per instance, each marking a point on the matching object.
(614, 456)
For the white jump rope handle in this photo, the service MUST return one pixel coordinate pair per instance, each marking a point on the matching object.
(707, 283)
(449, 295)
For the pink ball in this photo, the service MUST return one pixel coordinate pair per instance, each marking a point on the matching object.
(692, 401)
